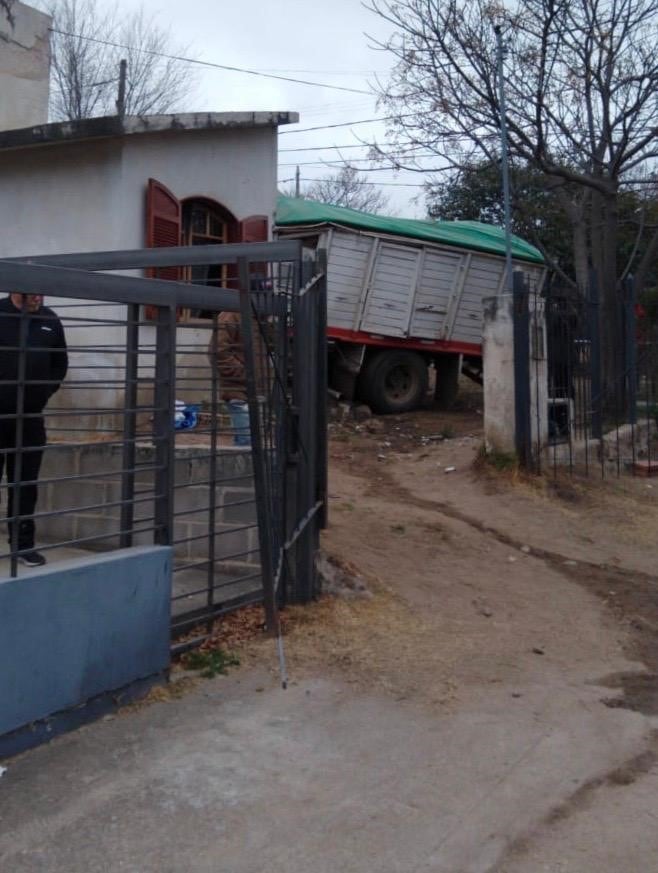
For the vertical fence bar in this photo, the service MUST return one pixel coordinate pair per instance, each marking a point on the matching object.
(257, 451)
(212, 487)
(129, 427)
(322, 459)
(522, 370)
(303, 377)
(14, 487)
(281, 448)
(164, 402)
(630, 349)
(594, 324)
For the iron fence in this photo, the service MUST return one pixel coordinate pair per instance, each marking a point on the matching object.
(590, 411)
(237, 489)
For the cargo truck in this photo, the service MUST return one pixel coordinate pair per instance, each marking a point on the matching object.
(403, 296)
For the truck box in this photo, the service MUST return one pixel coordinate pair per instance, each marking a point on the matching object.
(402, 285)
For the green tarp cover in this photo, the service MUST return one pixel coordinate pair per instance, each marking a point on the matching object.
(293, 211)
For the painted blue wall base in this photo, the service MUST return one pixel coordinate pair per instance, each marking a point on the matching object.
(47, 729)
(74, 631)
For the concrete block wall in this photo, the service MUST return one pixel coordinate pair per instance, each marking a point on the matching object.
(88, 511)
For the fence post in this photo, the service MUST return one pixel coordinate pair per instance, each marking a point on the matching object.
(594, 327)
(129, 427)
(304, 377)
(521, 312)
(261, 484)
(322, 458)
(630, 349)
(164, 402)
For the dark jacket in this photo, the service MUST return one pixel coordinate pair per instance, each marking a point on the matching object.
(46, 357)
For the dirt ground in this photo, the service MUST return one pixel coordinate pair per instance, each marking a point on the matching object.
(494, 565)
(479, 697)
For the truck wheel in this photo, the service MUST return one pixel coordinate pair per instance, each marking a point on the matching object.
(393, 381)
(447, 380)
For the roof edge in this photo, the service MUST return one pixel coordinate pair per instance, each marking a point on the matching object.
(132, 125)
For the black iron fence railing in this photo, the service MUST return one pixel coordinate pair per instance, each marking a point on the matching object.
(592, 410)
(205, 433)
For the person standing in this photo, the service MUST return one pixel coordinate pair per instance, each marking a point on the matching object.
(46, 363)
(226, 353)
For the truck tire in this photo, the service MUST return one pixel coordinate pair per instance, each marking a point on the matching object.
(447, 380)
(393, 381)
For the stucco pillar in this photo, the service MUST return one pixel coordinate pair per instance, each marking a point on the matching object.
(499, 382)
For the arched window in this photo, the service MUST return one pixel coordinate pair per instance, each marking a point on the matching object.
(204, 223)
(192, 222)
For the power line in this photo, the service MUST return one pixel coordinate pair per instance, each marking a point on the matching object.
(325, 148)
(334, 163)
(230, 69)
(376, 184)
(346, 123)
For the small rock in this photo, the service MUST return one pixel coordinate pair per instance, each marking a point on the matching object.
(516, 694)
(381, 457)
(526, 550)
(483, 608)
(375, 425)
(511, 559)
(537, 651)
(450, 469)
(361, 412)
(571, 563)
(343, 411)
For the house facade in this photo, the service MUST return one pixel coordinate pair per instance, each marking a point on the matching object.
(109, 184)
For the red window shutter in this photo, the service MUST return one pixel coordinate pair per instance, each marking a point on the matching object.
(163, 229)
(254, 229)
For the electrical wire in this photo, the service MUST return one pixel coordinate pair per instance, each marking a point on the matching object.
(332, 162)
(376, 184)
(231, 69)
(347, 123)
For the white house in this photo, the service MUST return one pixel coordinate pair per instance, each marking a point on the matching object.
(110, 183)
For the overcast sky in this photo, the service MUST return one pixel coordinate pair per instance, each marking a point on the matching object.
(320, 41)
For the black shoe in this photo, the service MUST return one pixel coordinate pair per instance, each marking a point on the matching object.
(32, 559)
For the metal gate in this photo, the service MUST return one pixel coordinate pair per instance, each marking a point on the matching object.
(599, 418)
(243, 521)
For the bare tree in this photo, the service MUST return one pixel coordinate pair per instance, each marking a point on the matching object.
(345, 188)
(87, 46)
(581, 79)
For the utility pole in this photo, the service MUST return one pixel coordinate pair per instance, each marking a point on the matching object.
(504, 160)
(297, 191)
(121, 99)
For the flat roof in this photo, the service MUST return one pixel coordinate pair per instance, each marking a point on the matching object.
(137, 125)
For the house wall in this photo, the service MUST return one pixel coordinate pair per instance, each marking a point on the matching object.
(24, 67)
(90, 196)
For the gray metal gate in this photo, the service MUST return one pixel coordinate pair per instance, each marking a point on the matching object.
(244, 522)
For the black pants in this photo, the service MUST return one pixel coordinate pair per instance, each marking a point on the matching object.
(34, 435)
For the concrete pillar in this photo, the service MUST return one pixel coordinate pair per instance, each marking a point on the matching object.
(499, 387)
(24, 67)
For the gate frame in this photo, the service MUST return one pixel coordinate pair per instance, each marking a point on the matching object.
(68, 276)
